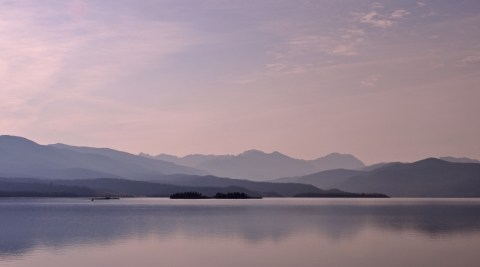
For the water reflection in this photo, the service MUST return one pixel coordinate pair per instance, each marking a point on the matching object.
(28, 223)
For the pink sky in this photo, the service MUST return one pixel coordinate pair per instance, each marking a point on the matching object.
(385, 82)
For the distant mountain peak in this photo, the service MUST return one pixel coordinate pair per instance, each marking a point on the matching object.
(16, 140)
(163, 154)
(337, 161)
(430, 161)
(335, 154)
(338, 155)
(259, 165)
(279, 154)
(459, 159)
(74, 147)
(252, 152)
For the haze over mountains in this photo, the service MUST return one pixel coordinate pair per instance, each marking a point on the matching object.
(85, 171)
(260, 166)
(430, 177)
(425, 178)
(20, 157)
(88, 170)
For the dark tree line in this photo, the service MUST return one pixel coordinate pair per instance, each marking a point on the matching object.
(234, 195)
(188, 195)
(197, 195)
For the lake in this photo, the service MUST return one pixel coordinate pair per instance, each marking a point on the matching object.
(253, 232)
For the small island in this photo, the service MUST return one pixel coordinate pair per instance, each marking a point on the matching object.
(188, 195)
(197, 195)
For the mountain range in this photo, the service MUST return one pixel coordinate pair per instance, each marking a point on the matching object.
(430, 177)
(260, 166)
(31, 169)
(61, 169)
(20, 157)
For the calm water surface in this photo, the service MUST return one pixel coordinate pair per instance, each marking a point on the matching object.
(267, 232)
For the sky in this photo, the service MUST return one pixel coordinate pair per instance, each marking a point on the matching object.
(383, 80)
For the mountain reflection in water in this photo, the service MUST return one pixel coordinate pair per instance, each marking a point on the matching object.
(58, 223)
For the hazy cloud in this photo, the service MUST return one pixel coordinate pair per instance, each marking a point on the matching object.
(399, 13)
(297, 53)
(350, 41)
(421, 3)
(377, 6)
(469, 60)
(44, 61)
(376, 19)
(371, 80)
(287, 68)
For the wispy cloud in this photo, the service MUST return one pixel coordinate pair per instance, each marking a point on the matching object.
(350, 41)
(59, 53)
(377, 6)
(469, 60)
(297, 53)
(379, 20)
(176, 69)
(288, 68)
(374, 19)
(292, 56)
(371, 80)
(421, 3)
(399, 13)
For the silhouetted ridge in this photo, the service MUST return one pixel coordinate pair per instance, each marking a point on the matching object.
(16, 140)
(460, 160)
(253, 152)
(20, 157)
(430, 162)
(257, 165)
(337, 161)
(324, 179)
(430, 177)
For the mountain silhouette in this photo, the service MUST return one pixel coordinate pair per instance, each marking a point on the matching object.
(325, 179)
(337, 161)
(64, 170)
(430, 177)
(20, 157)
(260, 166)
(459, 160)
